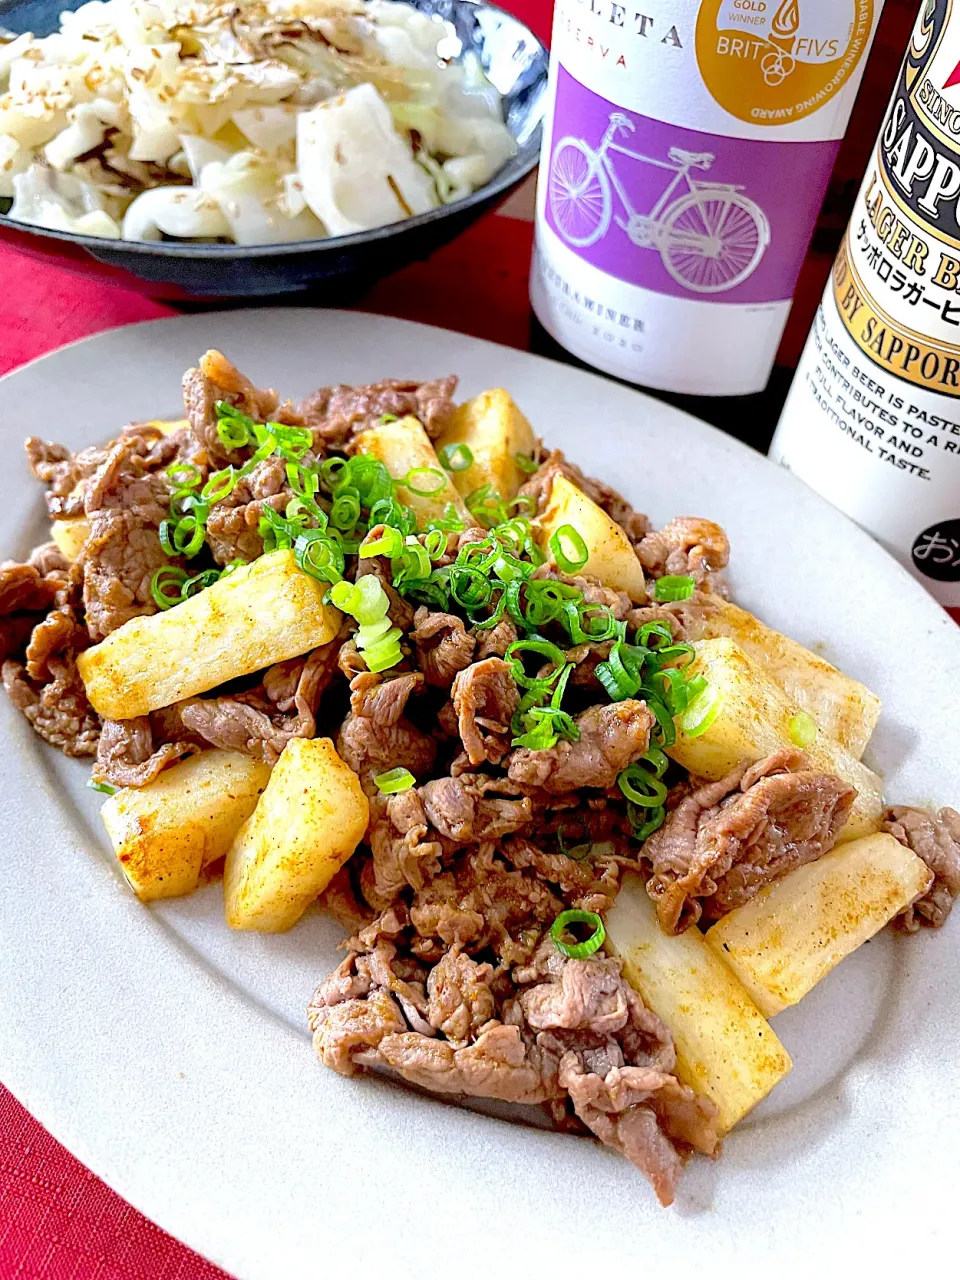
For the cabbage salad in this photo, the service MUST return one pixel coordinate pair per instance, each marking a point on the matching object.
(251, 122)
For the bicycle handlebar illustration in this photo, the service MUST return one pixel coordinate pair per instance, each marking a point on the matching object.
(710, 237)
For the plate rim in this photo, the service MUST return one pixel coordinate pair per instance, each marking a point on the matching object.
(69, 1127)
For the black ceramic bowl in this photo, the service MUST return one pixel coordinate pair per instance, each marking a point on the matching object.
(516, 63)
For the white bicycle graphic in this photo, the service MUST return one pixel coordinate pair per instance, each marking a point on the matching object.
(710, 237)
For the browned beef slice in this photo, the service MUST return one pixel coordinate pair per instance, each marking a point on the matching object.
(479, 903)
(338, 414)
(687, 545)
(642, 1113)
(118, 563)
(381, 697)
(287, 708)
(593, 591)
(464, 811)
(369, 748)
(485, 696)
(24, 589)
(342, 1030)
(444, 647)
(539, 485)
(726, 840)
(611, 737)
(404, 851)
(589, 883)
(61, 471)
(934, 837)
(460, 998)
(58, 709)
(495, 641)
(496, 1065)
(217, 379)
(126, 756)
(233, 522)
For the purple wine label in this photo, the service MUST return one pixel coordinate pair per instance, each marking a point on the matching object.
(680, 212)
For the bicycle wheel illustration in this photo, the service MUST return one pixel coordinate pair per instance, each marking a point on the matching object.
(711, 241)
(579, 193)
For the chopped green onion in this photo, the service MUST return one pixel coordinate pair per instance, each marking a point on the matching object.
(331, 469)
(645, 822)
(424, 481)
(370, 601)
(345, 511)
(456, 457)
(639, 785)
(544, 649)
(469, 588)
(701, 713)
(569, 549)
(651, 630)
(317, 554)
(291, 442)
(674, 586)
(388, 417)
(104, 787)
(435, 544)
(449, 522)
(487, 507)
(659, 761)
(577, 950)
(382, 541)
(802, 729)
(220, 485)
(526, 463)
(523, 505)
(184, 475)
(394, 780)
(162, 585)
(234, 429)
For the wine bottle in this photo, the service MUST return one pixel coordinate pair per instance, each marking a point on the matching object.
(873, 418)
(687, 148)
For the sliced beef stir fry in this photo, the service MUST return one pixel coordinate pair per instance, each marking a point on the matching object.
(723, 841)
(505, 810)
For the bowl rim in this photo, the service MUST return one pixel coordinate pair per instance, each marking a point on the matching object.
(511, 174)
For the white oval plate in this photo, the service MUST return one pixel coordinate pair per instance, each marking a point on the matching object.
(173, 1057)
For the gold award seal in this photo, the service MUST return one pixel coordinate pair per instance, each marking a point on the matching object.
(770, 62)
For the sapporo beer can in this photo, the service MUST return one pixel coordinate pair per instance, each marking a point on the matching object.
(687, 149)
(873, 418)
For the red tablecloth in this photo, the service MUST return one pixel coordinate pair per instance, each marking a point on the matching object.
(57, 1220)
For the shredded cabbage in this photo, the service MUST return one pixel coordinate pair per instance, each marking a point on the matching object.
(290, 119)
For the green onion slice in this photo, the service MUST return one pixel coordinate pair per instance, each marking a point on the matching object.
(317, 554)
(166, 586)
(184, 475)
(424, 481)
(644, 822)
(577, 950)
(569, 549)
(639, 785)
(384, 540)
(701, 712)
(103, 787)
(526, 463)
(234, 428)
(456, 457)
(394, 780)
(802, 729)
(674, 586)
